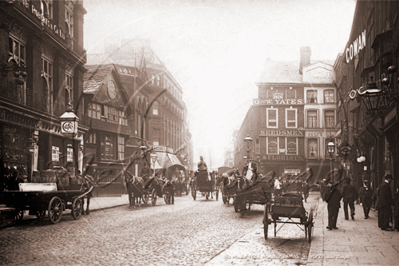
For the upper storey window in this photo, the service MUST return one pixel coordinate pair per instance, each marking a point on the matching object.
(311, 96)
(272, 117)
(17, 50)
(69, 17)
(329, 96)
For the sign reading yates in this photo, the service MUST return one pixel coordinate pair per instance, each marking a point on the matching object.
(278, 101)
(278, 132)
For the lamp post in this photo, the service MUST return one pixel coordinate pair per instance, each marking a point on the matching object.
(154, 157)
(331, 150)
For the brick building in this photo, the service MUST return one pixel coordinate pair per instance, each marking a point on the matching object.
(292, 118)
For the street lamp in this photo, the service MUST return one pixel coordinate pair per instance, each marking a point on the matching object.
(154, 157)
(248, 141)
(331, 150)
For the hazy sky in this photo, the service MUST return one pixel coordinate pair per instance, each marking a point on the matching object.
(216, 49)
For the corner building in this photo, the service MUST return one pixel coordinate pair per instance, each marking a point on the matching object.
(292, 119)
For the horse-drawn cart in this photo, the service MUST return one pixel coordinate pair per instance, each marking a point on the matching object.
(287, 208)
(41, 197)
(206, 183)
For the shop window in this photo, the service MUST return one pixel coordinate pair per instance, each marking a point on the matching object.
(290, 118)
(311, 96)
(69, 153)
(55, 154)
(272, 117)
(94, 110)
(329, 118)
(107, 147)
(292, 146)
(272, 145)
(312, 119)
(121, 148)
(329, 96)
(312, 148)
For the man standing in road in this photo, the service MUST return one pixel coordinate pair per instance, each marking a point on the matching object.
(333, 198)
(349, 194)
(384, 203)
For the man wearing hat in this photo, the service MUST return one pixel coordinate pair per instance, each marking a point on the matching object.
(385, 201)
(333, 197)
(366, 194)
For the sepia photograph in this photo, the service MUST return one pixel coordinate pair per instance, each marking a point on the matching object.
(199, 132)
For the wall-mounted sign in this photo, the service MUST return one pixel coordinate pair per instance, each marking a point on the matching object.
(316, 134)
(355, 47)
(277, 101)
(266, 133)
(283, 158)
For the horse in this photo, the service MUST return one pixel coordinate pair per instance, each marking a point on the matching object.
(135, 187)
(87, 185)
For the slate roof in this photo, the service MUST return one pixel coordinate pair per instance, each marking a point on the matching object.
(94, 77)
(284, 71)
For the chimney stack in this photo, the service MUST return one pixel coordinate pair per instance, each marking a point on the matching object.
(305, 58)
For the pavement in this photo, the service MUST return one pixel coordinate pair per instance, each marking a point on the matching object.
(355, 242)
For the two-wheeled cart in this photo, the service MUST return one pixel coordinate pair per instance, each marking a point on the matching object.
(204, 184)
(38, 202)
(287, 208)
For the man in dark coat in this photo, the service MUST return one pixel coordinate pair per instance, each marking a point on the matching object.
(349, 194)
(250, 166)
(366, 194)
(384, 203)
(333, 197)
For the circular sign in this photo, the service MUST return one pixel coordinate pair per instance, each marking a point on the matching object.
(68, 126)
(345, 150)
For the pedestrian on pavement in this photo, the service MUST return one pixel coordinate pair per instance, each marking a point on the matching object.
(323, 189)
(384, 203)
(349, 194)
(333, 197)
(366, 194)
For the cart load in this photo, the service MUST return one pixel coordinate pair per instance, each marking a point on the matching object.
(205, 182)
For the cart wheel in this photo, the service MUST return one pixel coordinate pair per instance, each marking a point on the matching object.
(193, 192)
(310, 226)
(40, 214)
(19, 215)
(217, 194)
(145, 198)
(55, 210)
(76, 208)
(265, 221)
(154, 197)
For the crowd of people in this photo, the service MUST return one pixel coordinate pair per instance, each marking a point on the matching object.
(382, 198)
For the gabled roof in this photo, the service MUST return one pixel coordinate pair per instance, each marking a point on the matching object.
(284, 71)
(94, 77)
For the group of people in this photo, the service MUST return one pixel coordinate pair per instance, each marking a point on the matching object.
(382, 197)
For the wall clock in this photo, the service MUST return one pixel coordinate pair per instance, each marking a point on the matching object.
(111, 89)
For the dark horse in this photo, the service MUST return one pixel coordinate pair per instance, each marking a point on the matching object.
(87, 186)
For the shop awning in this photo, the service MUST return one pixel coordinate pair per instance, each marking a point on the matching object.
(167, 160)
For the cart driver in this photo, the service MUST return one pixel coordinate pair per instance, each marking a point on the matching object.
(202, 165)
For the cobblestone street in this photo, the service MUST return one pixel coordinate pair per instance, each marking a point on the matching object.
(189, 232)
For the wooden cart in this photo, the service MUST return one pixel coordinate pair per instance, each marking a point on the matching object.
(38, 202)
(287, 208)
(202, 183)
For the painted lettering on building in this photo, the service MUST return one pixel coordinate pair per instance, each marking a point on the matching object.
(358, 44)
(45, 22)
(278, 101)
(282, 157)
(277, 132)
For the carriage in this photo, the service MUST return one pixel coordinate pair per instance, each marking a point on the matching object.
(205, 182)
(287, 208)
(259, 192)
(228, 184)
(150, 189)
(41, 197)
